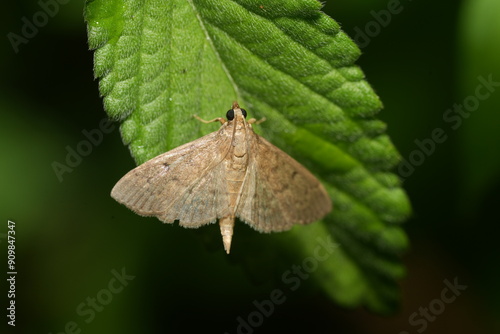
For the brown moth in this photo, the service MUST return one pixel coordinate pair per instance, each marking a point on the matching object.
(232, 172)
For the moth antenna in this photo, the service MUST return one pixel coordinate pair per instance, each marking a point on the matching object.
(226, 229)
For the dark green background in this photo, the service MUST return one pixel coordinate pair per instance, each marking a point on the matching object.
(71, 234)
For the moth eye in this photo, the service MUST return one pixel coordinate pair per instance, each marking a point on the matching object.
(230, 115)
(244, 112)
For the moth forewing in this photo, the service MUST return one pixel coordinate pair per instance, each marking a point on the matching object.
(279, 192)
(163, 186)
(229, 173)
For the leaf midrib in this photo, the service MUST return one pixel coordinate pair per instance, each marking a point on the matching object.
(208, 38)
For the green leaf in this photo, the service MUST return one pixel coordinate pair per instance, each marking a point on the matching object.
(160, 62)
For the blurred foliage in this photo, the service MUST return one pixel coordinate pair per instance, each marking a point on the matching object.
(478, 51)
(71, 235)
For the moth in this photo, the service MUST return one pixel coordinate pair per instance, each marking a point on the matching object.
(227, 174)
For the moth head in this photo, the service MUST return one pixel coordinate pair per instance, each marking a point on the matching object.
(231, 112)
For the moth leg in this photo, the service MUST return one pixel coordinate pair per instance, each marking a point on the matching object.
(254, 121)
(218, 119)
